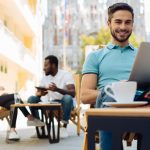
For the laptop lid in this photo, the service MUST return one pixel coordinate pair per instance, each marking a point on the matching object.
(141, 68)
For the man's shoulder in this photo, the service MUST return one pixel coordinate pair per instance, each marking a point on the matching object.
(100, 51)
(62, 71)
(98, 54)
(45, 77)
(65, 75)
(92, 62)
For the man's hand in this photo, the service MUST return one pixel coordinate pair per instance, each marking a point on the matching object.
(52, 87)
(123, 80)
(40, 92)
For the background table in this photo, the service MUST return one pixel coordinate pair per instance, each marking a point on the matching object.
(48, 118)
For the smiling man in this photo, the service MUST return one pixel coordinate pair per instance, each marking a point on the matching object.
(110, 64)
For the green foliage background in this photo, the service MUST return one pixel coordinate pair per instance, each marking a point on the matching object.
(103, 37)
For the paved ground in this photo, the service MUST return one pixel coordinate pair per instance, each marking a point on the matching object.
(74, 142)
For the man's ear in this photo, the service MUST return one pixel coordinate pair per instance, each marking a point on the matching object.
(108, 23)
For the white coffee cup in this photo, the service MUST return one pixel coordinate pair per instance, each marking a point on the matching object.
(122, 92)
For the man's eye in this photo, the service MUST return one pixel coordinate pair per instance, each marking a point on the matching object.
(129, 22)
(118, 22)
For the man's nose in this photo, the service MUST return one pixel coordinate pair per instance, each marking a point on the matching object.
(123, 26)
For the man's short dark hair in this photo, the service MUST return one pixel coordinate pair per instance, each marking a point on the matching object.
(52, 59)
(119, 6)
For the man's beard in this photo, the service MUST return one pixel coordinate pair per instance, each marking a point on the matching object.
(48, 73)
(119, 39)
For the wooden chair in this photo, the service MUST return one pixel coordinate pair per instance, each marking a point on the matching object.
(75, 114)
(4, 113)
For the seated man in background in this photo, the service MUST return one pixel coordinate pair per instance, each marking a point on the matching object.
(6, 100)
(60, 88)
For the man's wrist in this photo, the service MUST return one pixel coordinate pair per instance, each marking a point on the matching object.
(98, 93)
(38, 95)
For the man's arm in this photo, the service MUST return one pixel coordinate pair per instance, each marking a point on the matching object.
(89, 90)
(70, 89)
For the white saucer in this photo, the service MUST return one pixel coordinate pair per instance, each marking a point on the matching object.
(128, 104)
(43, 102)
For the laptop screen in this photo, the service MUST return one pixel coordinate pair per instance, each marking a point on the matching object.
(141, 68)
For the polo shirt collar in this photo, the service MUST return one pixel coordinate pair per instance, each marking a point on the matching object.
(113, 46)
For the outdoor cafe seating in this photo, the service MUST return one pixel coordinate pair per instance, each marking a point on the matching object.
(75, 114)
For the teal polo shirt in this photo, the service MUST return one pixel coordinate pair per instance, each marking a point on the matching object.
(111, 64)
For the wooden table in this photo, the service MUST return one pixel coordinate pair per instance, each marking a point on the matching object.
(48, 117)
(118, 121)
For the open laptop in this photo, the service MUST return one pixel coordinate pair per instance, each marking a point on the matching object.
(141, 68)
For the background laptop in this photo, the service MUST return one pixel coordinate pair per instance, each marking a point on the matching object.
(141, 68)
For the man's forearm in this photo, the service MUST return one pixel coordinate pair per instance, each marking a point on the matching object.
(63, 92)
(88, 96)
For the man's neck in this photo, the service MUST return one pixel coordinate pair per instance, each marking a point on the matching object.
(121, 44)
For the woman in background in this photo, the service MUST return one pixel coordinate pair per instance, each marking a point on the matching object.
(6, 100)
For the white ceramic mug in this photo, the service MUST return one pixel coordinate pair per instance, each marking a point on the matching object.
(122, 92)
